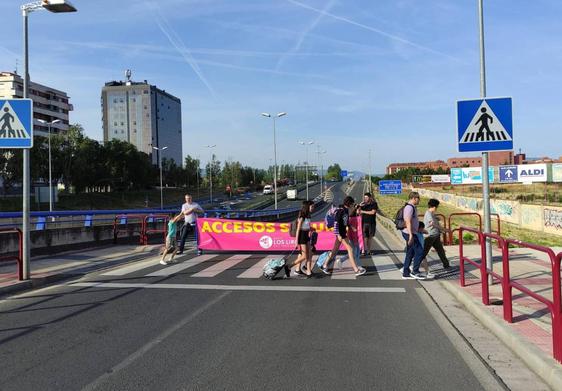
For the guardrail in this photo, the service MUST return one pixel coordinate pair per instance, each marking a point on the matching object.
(121, 223)
(507, 284)
(154, 219)
(18, 258)
(452, 231)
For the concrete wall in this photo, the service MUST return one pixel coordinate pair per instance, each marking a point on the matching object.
(535, 217)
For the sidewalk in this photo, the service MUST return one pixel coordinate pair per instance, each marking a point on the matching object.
(46, 269)
(530, 334)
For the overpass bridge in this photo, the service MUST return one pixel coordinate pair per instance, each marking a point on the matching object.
(112, 317)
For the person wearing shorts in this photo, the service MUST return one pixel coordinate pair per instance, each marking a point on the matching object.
(303, 239)
(171, 241)
(368, 211)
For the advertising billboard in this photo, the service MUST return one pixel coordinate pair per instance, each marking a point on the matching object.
(532, 173)
(473, 175)
(557, 172)
(456, 176)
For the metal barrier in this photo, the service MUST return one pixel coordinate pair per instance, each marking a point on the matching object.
(121, 220)
(452, 231)
(554, 305)
(18, 258)
(507, 284)
(145, 231)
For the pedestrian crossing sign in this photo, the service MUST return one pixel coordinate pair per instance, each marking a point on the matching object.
(16, 123)
(484, 125)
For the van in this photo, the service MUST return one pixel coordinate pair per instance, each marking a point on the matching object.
(292, 194)
(267, 189)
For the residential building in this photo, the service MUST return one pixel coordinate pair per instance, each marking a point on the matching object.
(49, 104)
(144, 116)
(434, 165)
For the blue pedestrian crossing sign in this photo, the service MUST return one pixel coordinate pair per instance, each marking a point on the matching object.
(16, 123)
(484, 125)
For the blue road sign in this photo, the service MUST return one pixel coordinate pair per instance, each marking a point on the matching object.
(390, 187)
(508, 174)
(456, 176)
(16, 123)
(484, 125)
(343, 173)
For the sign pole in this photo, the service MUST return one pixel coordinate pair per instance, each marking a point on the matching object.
(26, 174)
(485, 157)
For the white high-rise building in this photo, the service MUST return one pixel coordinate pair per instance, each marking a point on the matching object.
(143, 115)
(49, 104)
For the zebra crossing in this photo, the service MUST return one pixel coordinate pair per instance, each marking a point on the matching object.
(245, 266)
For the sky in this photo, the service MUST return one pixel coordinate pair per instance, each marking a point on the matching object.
(352, 75)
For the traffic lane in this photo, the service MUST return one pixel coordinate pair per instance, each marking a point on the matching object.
(313, 191)
(131, 339)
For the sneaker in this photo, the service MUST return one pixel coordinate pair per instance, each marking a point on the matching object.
(299, 272)
(408, 277)
(163, 262)
(418, 276)
(361, 271)
(430, 276)
(325, 271)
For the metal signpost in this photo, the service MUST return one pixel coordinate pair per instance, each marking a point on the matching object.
(484, 125)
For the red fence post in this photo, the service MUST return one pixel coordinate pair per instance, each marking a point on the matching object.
(461, 257)
(556, 310)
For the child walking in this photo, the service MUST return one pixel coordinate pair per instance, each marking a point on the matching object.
(171, 239)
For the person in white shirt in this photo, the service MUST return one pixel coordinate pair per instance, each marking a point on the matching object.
(190, 210)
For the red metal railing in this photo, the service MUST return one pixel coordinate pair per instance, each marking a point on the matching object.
(452, 231)
(156, 218)
(507, 284)
(118, 226)
(19, 257)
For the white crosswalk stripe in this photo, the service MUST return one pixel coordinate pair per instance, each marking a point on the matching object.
(386, 268)
(167, 271)
(132, 268)
(220, 267)
(256, 270)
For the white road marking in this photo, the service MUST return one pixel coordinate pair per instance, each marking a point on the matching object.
(167, 271)
(222, 266)
(386, 268)
(132, 268)
(256, 270)
(272, 287)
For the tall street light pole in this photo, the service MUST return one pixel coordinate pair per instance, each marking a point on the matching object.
(211, 161)
(274, 152)
(485, 157)
(321, 165)
(160, 150)
(49, 124)
(52, 6)
(306, 144)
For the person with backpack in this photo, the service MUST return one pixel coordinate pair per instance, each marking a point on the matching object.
(303, 232)
(407, 221)
(341, 226)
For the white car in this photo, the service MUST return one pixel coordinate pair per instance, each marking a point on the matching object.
(267, 189)
(292, 194)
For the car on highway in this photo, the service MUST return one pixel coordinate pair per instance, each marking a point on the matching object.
(267, 189)
(292, 193)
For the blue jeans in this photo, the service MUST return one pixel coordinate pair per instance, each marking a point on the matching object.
(413, 252)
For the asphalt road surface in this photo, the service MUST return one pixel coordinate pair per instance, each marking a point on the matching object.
(212, 323)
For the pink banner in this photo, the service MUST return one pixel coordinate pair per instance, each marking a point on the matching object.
(242, 235)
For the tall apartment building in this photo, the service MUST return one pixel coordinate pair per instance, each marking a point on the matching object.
(49, 104)
(143, 115)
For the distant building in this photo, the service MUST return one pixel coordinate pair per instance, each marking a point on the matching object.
(433, 165)
(143, 115)
(495, 159)
(49, 104)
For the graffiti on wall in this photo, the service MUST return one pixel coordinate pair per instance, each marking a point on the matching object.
(468, 203)
(502, 208)
(553, 218)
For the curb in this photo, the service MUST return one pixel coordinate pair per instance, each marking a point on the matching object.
(544, 366)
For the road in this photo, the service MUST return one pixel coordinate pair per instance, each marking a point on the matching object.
(211, 323)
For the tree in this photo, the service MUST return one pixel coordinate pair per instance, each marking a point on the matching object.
(334, 172)
(213, 172)
(192, 168)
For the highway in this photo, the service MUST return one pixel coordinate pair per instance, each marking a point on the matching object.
(212, 323)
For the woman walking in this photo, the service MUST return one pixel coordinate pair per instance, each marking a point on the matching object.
(303, 239)
(341, 227)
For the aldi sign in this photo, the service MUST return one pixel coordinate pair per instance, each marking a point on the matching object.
(532, 173)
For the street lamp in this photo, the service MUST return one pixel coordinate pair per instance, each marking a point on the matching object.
(211, 171)
(49, 124)
(274, 117)
(26, 9)
(160, 165)
(306, 144)
(320, 152)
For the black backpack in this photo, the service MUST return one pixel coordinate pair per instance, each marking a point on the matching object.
(399, 221)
